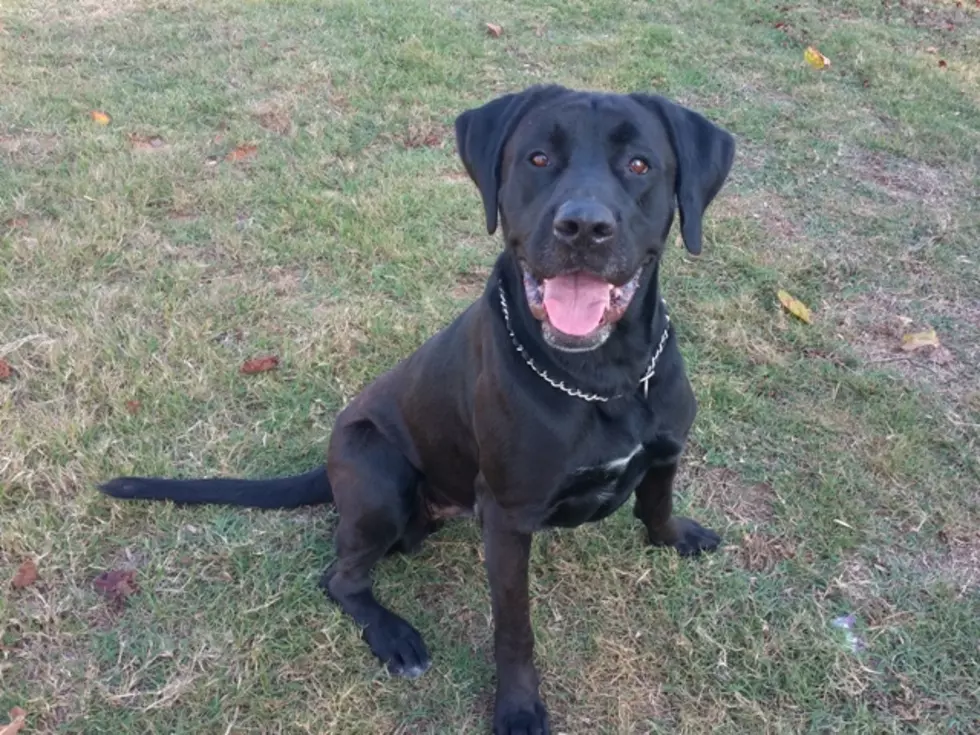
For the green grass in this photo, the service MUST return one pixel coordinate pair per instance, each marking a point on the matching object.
(843, 474)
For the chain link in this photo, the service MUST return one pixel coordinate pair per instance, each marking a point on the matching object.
(575, 392)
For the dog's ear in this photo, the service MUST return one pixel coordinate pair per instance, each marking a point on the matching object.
(481, 134)
(704, 155)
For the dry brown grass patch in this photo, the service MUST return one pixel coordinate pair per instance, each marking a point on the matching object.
(874, 323)
(759, 551)
(724, 490)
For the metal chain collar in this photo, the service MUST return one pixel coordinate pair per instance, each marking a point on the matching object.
(575, 392)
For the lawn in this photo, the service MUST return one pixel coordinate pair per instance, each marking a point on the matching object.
(279, 178)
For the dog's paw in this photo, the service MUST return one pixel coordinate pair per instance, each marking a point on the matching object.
(529, 718)
(399, 646)
(691, 538)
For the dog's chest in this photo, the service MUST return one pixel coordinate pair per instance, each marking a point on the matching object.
(591, 492)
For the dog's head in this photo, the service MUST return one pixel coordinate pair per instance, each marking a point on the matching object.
(585, 185)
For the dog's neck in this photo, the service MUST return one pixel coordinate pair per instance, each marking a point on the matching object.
(615, 367)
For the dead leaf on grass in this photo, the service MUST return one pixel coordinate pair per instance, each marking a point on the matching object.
(17, 223)
(794, 306)
(920, 340)
(117, 584)
(133, 406)
(242, 152)
(815, 59)
(943, 64)
(99, 117)
(25, 576)
(17, 720)
(260, 365)
(6, 370)
(494, 30)
(144, 143)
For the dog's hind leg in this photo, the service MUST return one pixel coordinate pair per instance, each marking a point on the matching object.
(376, 494)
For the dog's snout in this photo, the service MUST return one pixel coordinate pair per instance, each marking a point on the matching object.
(584, 222)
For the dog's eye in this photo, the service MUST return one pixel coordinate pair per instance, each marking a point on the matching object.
(539, 159)
(639, 166)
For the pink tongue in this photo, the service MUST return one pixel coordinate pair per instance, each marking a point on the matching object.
(576, 302)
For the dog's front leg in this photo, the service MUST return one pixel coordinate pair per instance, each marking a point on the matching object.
(518, 706)
(655, 507)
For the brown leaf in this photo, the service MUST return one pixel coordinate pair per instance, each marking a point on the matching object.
(920, 340)
(117, 584)
(494, 30)
(17, 720)
(99, 117)
(260, 365)
(133, 406)
(26, 575)
(6, 371)
(943, 64)
(242, 152)
(17, 223)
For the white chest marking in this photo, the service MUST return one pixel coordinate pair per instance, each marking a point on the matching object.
(618, 465)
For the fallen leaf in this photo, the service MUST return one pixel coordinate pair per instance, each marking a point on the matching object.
(17, 223)
(143, 143)
(260, 365)
(117, 584)
(794, 306)
(920, 340)
(242, 152)
(133, 406)
(6, 371)
(99, 117)
(815, 59)
(17, 718)
(943, 64)
(26, 575)
(494, 30)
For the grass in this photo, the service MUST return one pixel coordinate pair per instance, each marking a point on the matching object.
(843, 474)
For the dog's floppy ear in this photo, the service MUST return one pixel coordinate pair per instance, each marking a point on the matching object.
(704, 155)
(481, 134)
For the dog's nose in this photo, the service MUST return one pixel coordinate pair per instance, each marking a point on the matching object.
(584, 222)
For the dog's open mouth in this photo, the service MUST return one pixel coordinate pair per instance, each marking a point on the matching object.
(577, 310)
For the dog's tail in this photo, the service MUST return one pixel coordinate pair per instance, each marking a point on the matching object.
(310, 488)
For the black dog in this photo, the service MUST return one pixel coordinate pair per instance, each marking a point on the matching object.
(549, 401)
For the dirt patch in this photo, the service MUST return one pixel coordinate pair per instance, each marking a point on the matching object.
(900, 179)
(958, 565)
(28, 146)
(723, 490)
(275, 115)
(471, 284)
(425, 135)
(769, 211)
(761, 552)
(873, 324)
